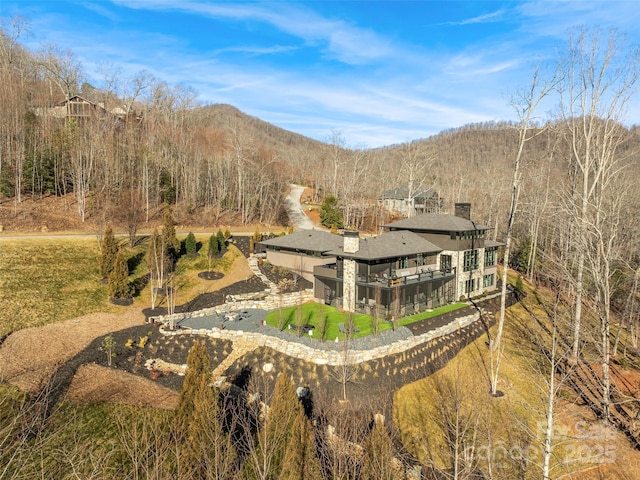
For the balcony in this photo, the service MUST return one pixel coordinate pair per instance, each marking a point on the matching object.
(387, 281)
(326, 271)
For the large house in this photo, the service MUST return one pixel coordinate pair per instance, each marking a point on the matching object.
(464, 247)
(418, 263)
(410, 202)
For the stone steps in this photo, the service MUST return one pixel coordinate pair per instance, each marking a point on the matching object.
(240, 348)
(272, 288)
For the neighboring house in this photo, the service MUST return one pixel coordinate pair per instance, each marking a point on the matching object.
(463, 244)
(301, 251)
(408, 203)
(419, 263)
(82, 110)
(77, 107)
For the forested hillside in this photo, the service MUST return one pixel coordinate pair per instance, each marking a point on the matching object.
(559, 188)
(560, 191)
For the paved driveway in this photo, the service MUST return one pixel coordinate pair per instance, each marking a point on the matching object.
(297, 217)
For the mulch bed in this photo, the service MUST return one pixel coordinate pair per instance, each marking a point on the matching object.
(122, 302)
(276, 275)
(211, 275)
(211, 299)
(243, 243)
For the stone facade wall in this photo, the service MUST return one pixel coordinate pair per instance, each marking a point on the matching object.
(457, 261)
(349, 285)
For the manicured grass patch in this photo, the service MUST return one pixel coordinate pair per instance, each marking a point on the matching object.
(44, 281)
(424, 315)
(310, 313)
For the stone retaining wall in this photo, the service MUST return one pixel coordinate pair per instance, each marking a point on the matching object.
(330, 357)
(271, 302)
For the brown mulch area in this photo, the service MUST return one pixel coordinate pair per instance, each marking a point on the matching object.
(211, 275)
(277, 274)
(94, 383)
(211, 299)
(170, 348)
(30, 356)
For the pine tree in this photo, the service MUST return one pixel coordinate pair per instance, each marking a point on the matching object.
(378, 460)
(169, 234)
(330, 215)
(208, 452)
(108, 251)
(213, 246)
(198, 368)
(300, 460)
(190, 245)
(119, 286)
(222, 244)
(272, 438)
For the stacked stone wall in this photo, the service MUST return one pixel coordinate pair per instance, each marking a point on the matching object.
(333, 357)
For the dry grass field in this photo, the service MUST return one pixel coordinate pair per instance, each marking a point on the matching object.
(44, 280)
(584, 448)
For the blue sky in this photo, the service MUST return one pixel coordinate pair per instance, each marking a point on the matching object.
(378, 72)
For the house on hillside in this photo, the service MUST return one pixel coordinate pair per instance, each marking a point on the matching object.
(396, 273)
(77, 108)
(82, 110)
(410, 202)
(464, 247)
(418, 263)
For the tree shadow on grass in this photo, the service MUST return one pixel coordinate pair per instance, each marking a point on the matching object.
(135, 261)
(139, 284)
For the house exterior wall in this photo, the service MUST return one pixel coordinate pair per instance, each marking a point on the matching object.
(462, 276)
(444, 241)
(410, 208)
(297, 262)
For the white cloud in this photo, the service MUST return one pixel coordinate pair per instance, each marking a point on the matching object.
(342, 41)
(496, 16)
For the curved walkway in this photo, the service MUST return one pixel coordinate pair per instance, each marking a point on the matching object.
(272, 288)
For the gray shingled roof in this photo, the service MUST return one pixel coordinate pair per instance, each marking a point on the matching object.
(492, 243)
(310, 240)
(389, 245)
(436, 222)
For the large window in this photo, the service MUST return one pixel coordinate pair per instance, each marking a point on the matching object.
(469, 286)
(489, 257)
(403, 262)
(445, 263)
(469, 235)
(470, 260)
(488, 280)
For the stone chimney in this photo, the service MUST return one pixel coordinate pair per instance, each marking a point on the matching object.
(463, 210)
(351, 245)
(351, 241)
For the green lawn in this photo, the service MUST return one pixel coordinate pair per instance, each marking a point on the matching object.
(310, 314)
